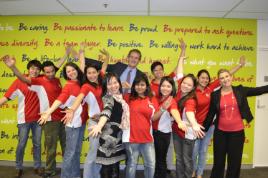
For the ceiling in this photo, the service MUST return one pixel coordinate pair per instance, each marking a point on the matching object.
(249, 9)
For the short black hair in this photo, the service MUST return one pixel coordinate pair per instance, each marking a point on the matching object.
(34, 63)
(48, 64)
(156, 63)
(200, 72)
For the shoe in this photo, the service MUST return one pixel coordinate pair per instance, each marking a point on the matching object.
(168, 171)
(19, 173)
(38, 171)
(47, 175)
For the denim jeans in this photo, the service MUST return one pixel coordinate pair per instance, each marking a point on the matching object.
(23, 132)
(91, 169)
(71, 159)
(148, 153)
(184, 153)
(200, 152)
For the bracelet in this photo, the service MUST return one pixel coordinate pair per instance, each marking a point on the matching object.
(162, 109)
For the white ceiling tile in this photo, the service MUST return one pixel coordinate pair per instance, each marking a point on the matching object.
(253, 6)
(189, 14)
(193, 5)
(32, 7)
(248, 15)
(88, 6)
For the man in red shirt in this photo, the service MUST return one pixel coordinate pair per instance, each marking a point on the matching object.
(48, 88)
(27, 115)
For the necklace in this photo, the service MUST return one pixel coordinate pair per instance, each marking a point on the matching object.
(228, 114)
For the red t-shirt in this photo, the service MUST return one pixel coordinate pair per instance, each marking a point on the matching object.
(28, 103)
(92, 98)
(67, 97)
(47, 92)
(189, 106)
(203, 98)
(164, 123)
(141, 111)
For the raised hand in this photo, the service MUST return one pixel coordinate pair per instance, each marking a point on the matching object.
(9, 61)
(242, 60)
(182, 44)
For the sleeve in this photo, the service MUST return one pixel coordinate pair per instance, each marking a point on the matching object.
(211, 112)
(173, 105)
(11, 94)
(108, 104)
(85, 89)
(64, 95)
(190, 105)
(255, 91)
(215, 84)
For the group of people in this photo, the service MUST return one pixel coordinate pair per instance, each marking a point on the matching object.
(129, 116)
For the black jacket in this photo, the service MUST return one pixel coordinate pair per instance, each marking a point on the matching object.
(117, 68)
(241, 93)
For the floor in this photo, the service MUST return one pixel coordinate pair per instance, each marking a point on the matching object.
(8, 172)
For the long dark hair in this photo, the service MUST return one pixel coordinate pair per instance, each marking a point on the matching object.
(172, 83)
(80, 76)
(106, 79)
(189, 95)
(137, 80)
(99, 76)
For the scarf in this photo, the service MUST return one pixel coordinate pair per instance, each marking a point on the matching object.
(125, 115)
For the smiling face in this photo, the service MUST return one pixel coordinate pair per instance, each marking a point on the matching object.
(113, 86)
(187, 85)
(140, 88)
(71, 73)
(133, 59)
(203, 80)
(158, 72)
(225, 79)
(166, 88)
(92, 74)
(34, 71)
(49, 72)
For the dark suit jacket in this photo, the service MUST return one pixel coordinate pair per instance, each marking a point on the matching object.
(241, 93)
(117, 68)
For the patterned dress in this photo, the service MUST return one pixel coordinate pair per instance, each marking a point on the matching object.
(111, 149)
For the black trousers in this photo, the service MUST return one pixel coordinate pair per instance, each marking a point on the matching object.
(110, 171)
(230, 145)
(161, 144)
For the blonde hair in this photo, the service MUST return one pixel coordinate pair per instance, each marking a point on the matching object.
(222, 71)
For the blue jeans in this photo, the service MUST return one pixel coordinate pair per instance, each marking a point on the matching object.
(148, 153)
(184, 153)
(91, 169)
(71, 158)
(200, 152)
(23, 133)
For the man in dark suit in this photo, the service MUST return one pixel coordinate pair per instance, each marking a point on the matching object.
(126, 72)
